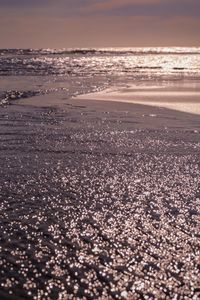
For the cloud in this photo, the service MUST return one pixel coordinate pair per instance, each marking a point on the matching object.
(67, 8)
(95, 23)
(142, 7)
(113, 4)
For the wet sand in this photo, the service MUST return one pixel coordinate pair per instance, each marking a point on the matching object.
(176, 95)
(99, 200)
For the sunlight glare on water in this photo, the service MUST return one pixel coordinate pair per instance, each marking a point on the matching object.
(40, 70)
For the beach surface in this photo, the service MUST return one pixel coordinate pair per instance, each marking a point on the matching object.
(176, 95)
(99, 200)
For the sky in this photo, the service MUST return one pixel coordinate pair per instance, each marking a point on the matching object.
(99, 23)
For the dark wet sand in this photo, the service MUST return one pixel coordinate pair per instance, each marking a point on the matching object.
(99, 200)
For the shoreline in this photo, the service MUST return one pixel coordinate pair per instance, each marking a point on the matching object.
(183, 97)
(145, 113)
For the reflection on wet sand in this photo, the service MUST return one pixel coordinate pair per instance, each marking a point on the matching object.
(98, 202)
(181, 96)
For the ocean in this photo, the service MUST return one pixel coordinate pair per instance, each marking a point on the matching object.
(25, 73)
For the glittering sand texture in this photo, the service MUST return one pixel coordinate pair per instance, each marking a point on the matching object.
(99, 200)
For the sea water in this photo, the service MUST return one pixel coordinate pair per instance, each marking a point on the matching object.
(25, 73)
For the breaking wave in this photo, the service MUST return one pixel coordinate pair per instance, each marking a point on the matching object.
(106, 51)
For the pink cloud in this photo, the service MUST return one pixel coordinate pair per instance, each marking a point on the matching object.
(111, 4)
